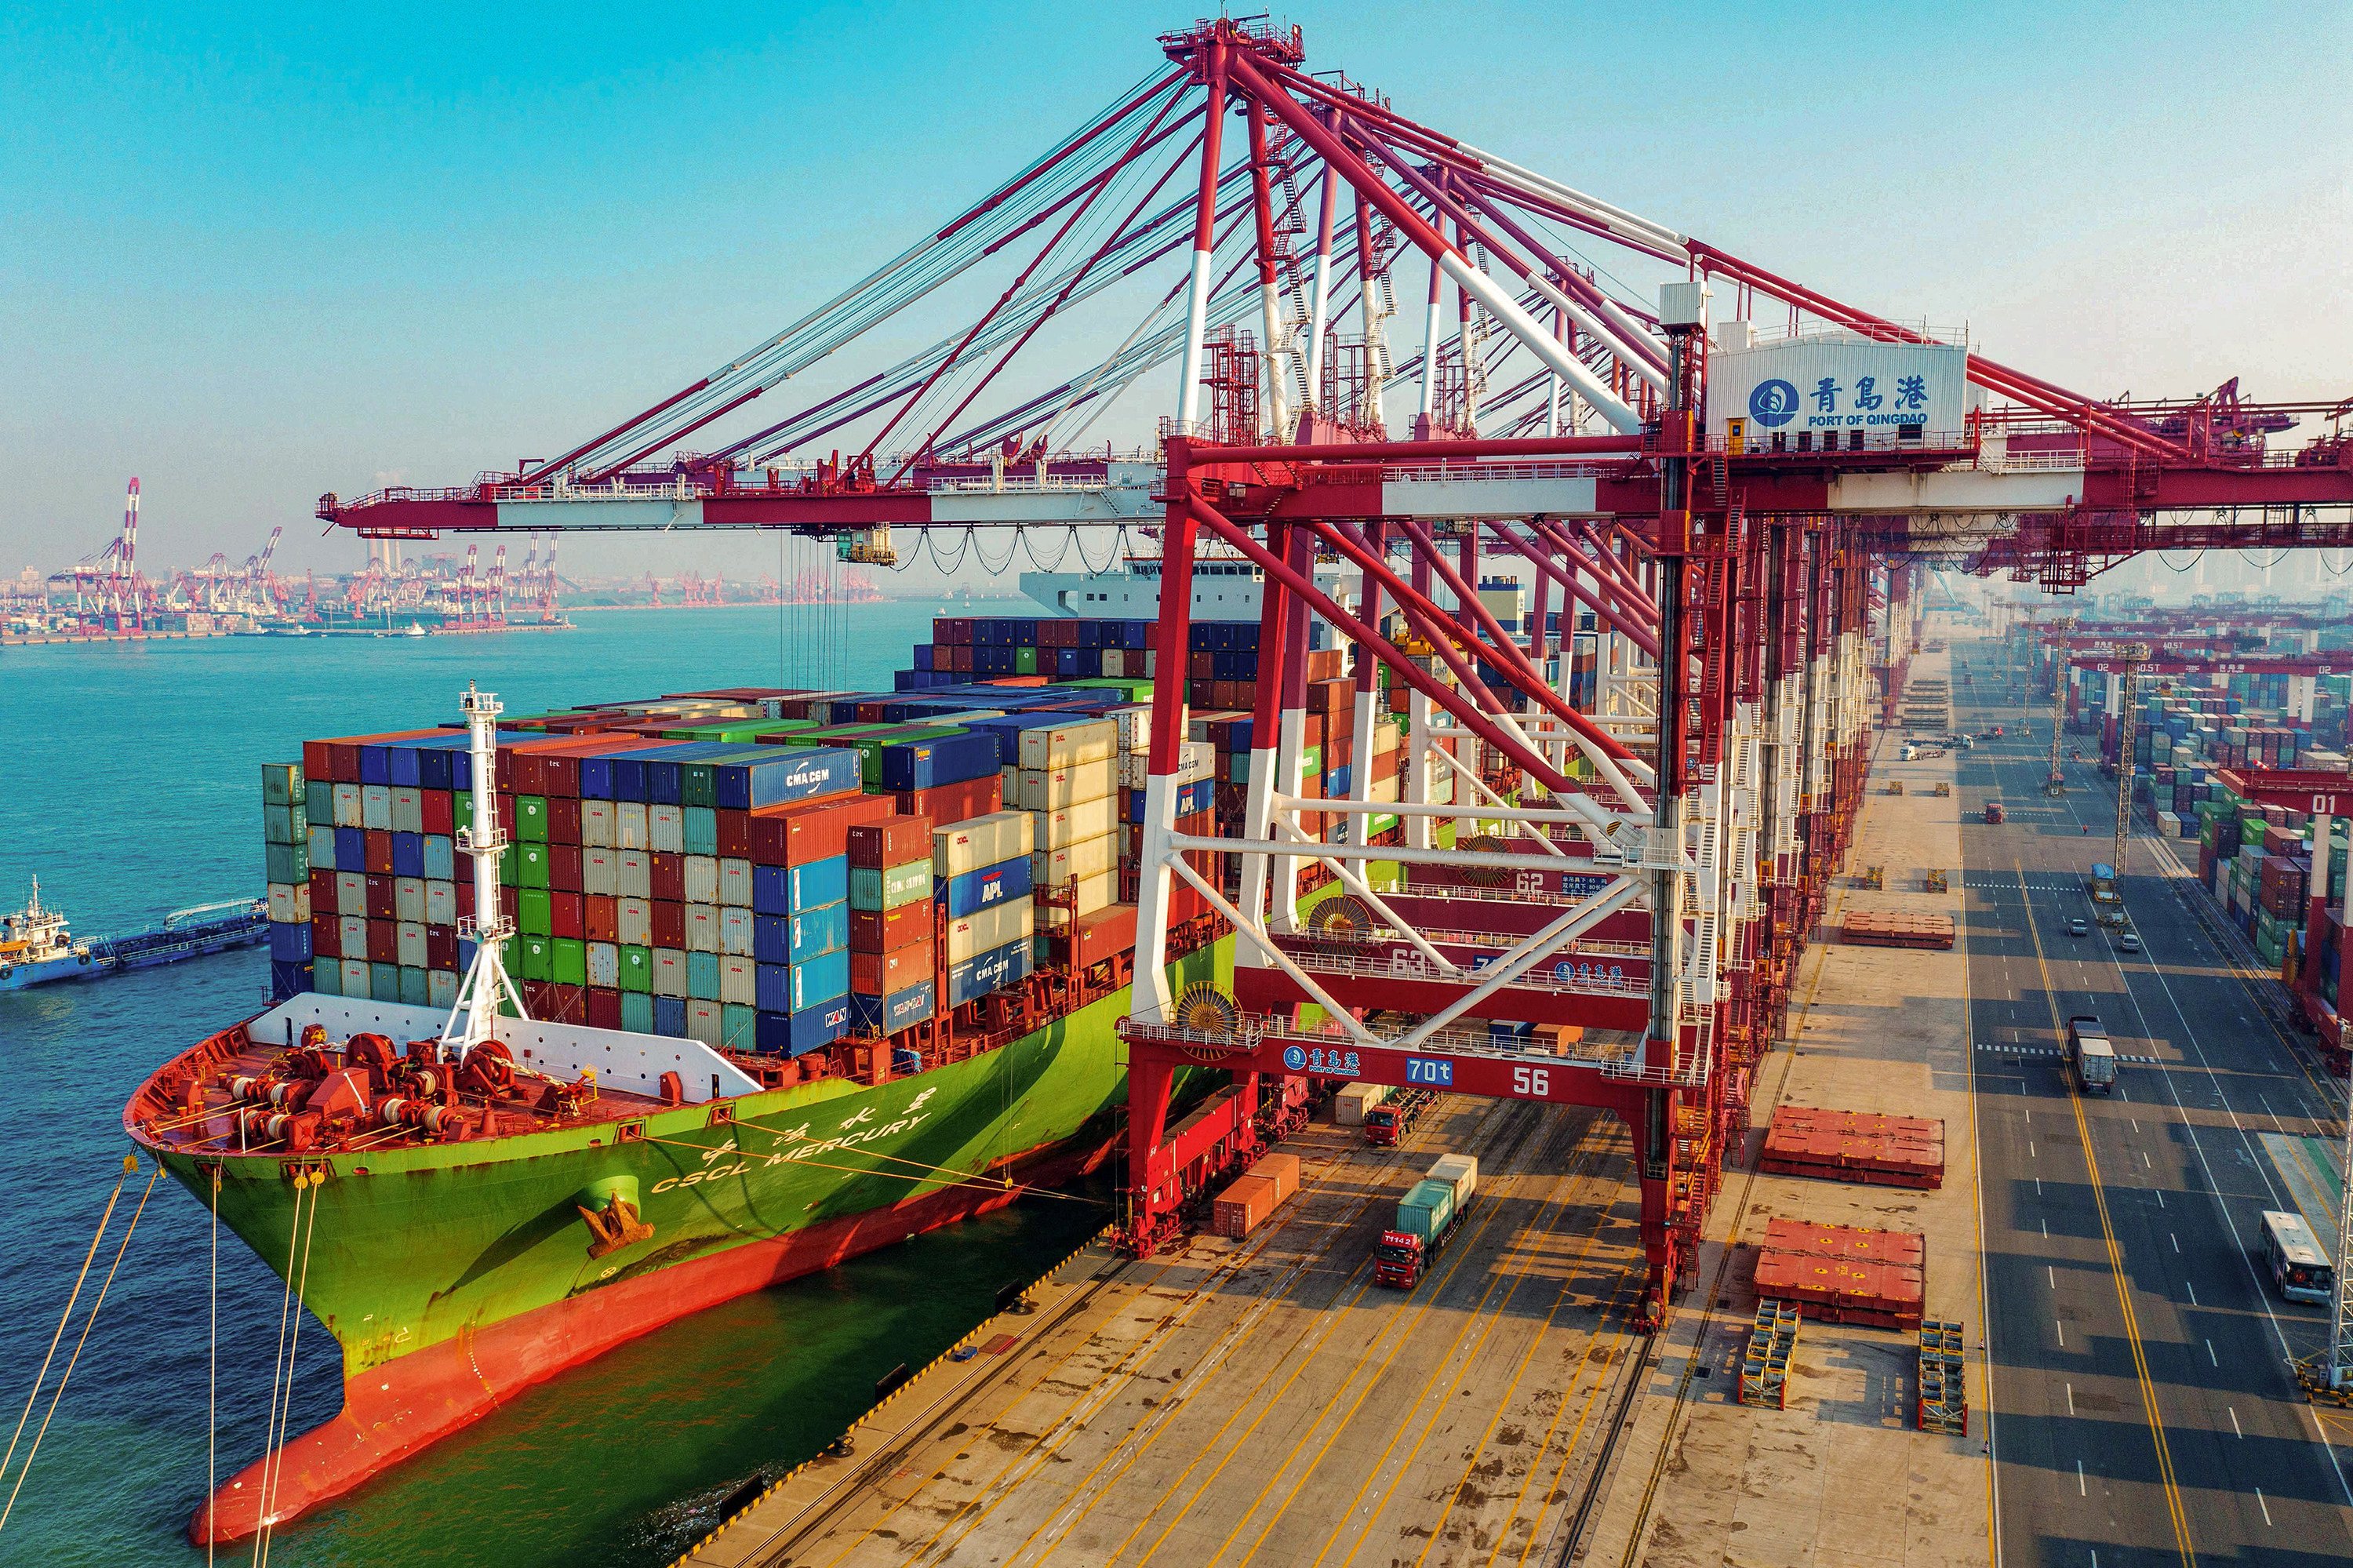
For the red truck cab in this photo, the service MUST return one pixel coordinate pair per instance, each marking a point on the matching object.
(1397, 1260)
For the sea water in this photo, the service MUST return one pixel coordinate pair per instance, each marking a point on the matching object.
(130, 782)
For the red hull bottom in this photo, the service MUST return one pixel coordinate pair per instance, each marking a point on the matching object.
(394, 1412)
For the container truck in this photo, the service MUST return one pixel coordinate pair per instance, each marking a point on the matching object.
(1427, 1216)
(2090, 1058)
(1993, 813)
(1392, 1120)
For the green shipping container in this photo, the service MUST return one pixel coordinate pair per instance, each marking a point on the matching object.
(530, 818)
(1025, 661)
(874, 891)
(533, 912)
(285, 824)
(531, 864)
(701, 830)
(637, 977)
(737, 1027)
(288, 863)
(638, 1012)
(281, 783)
(383, 983)
(461, 809)
(536, 958)
(568, 960)
(327, 976)
(416, 988)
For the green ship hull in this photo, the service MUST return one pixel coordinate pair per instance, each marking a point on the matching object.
(453, 1274)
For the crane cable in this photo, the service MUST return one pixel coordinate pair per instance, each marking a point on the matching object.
(281, 1369)
(129, 1163)
(212, 1376)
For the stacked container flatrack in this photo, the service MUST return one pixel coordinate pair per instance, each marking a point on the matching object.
(1841, 1274)
(1855, 1146)
(1764, 1362)
(1944, 1403)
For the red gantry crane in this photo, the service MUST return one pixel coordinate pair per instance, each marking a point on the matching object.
(1737, 478)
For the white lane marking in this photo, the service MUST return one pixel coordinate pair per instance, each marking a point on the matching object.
(2038, 1186)
(2135, 1121)
(2210, 1355)
(2062, 1333)
(2030, 1149)
(2071, 1399)
(2046, 1230)
(2263, 1505)
(2144, 1161)
(2053, 1274)
(2081, 1490)
(2234, 1423)
(2174, 1239)
(2161, 1196)
(2193, 1292)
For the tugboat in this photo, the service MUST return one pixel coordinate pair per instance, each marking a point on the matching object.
(36, 948)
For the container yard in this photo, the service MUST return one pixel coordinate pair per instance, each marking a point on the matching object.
(1606, 995)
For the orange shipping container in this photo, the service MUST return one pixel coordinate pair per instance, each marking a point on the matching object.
(1242, 1207)
(1282, 1170)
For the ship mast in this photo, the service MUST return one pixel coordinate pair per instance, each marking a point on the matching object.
(487, 983)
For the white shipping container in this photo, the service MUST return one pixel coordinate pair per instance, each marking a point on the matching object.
(351, 892)
(1114, 662)
(1048, 789)
(1057, 745)
(408, 938)
(1387, 737)
(1354, 1099)
(634, 920)
(702, 927)
(375, 807)
(703, 1020)
(605, 965)
(600, 872)
(1072, 862)
(634, 873)
(739, 980)
(666, 829)
(409, 899)
(356, 977)
(441, 903)
(1093, 892)
(985, 930)
(347, 807)
(596, 824)
(1058, 829)
(735, 927)
(669, 971)
(351, 931)
(1134, 723)
(289, 903)
(629, 824)
(1460, 1172)
(702, 879)
(735, 883)
(991, 839)
(1382, 790)
(441, 988)
(407, 810)
(1197, 761)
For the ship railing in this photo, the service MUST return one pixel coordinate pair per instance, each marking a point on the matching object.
(219, 907)
(1411, 966)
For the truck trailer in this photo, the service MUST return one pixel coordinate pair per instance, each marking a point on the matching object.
(1427, 1217)
(2091, 1059)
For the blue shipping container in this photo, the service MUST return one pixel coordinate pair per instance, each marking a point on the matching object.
(291, 943)
(792, 1034)
(408, 855)
(949, 760)
(990, 884)
(780, 774)
(992, 970)
(903, 1009)
(669, 1016)
(789, 889)
(351, 849)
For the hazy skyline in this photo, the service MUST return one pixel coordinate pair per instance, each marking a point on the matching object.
(253, 258)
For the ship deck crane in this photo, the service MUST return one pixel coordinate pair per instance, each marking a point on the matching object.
(1754, 576)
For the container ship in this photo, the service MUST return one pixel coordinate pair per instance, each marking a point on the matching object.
(792, 975)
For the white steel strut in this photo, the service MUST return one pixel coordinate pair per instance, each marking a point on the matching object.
(474, 1017)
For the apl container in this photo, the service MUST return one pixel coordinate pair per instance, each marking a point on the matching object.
(980, 889)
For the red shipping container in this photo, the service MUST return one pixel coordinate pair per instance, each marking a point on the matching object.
(383, 942)
(322, 892)
(326, 937)
(604, 1008)
(378, 844)
(382, 901)
(567, 916)
(564, 1003)
(802, 833)
(883, 974)
(338, 760)
(465, 894)
(600, 917)
(735, 835)
(893, 841)
(946, 803)
(563, 867)
(669, 923)
(1243, 1206)
(507, 815)
(439, 815)
(892, 929)
(668, 875)
(1106, 933)
(563, 821)
(440, 947)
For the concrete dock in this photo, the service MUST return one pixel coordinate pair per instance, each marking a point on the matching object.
(1263, 1401)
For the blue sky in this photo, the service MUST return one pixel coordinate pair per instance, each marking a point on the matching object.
(254, 254)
